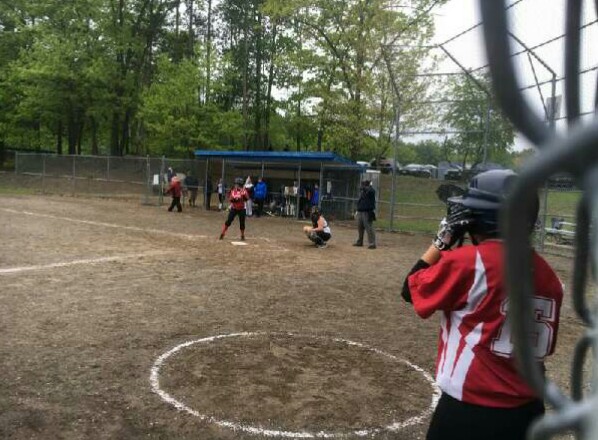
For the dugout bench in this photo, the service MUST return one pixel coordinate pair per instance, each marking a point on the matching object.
(562, 231)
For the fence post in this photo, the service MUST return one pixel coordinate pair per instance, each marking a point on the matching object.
(394, 169)
(148, 180)
(320, 189)
(74, 175)
(108, 168)
(16, 163)
(543, 217)
(298, 196)
(486, 132)
(205, 184)
(162, 166)
(44, 173)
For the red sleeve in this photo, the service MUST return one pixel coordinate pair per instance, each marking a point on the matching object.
(444, 285)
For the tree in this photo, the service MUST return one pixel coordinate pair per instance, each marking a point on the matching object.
(483, 131)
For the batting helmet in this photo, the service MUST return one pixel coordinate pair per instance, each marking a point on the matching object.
(239, 181)
(483, 200)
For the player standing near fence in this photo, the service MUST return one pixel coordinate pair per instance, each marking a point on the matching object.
(176, 191)
(237, 197)
(483, 395)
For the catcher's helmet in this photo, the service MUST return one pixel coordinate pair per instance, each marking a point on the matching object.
(483, 200)
(239, 181)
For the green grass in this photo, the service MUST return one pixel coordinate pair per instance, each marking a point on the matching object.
(418, 208)
(561, 204)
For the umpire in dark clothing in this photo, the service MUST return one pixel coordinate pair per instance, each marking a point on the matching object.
(366, 215)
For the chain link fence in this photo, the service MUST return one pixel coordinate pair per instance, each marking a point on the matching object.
(416, 207)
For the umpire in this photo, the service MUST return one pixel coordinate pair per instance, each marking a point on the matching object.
(366, 214)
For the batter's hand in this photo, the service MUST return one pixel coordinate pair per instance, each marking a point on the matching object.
(449, 232)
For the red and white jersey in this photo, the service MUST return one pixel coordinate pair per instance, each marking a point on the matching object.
(238, 197)
(474, 362)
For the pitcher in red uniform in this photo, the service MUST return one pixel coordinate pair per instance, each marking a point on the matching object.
(237, 197)
(483, 395)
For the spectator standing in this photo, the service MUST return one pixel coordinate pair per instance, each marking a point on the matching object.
(175, 190)
(221, 194)
(366, 214)
(483, 396)
(192, 184)
(170, 173)
(249, 188)
(208, 196)
(260, 192)
(315, 196)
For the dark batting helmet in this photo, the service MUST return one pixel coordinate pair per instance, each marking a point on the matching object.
(239, 181)
(482, 201)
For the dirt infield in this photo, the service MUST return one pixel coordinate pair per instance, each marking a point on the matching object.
(313, 342)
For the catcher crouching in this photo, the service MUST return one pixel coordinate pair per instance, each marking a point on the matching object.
(320, 232)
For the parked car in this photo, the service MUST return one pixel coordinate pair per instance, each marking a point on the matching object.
(561, 181)
(416, 170)
(480, 168)
(385, 165)
(433, 169)
(455, 172)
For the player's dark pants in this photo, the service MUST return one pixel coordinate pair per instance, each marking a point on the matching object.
(260, 207)
(364, 223)
(192, 196)
(319, 237)
(231, 216)
(456, 420)
(208, 200)
(176, 201)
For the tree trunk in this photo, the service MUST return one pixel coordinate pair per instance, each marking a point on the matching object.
(191, 36)
(178, 50)
(209, 52)
(114, 134)
(94, 137)
(80, 127)
(245, 85)
(59, 138)
(125, 138)
(268, 109)
(258, 141)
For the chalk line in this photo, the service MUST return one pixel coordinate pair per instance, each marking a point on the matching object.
(107, 225)
(12, 270)
(393, 427)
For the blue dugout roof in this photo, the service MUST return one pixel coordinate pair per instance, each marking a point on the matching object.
(277, 156)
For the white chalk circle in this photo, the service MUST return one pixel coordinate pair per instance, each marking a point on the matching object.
(392, 427)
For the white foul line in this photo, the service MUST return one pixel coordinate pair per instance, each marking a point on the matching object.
(393, 427)
(108, 225)
(12, 270)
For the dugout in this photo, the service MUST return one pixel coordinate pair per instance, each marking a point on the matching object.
(337, 178)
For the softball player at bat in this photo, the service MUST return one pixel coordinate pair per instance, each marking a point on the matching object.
(237, 197)
(483, 396)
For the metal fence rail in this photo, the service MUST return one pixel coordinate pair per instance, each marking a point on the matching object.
(576, 153)
(415, 208)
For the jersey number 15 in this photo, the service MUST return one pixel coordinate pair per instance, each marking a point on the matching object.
(542, 333)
